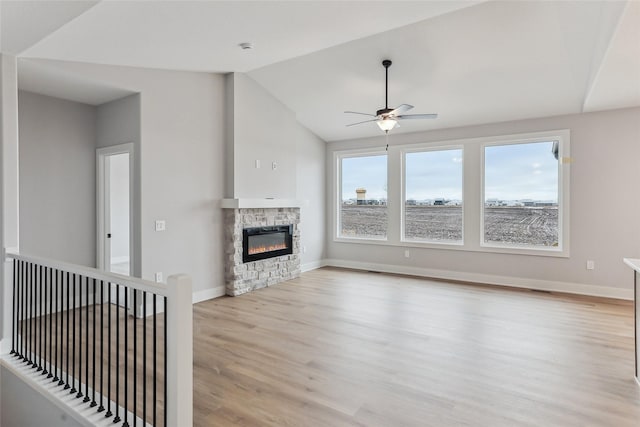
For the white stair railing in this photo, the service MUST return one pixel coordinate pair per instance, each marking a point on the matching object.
(121, 345)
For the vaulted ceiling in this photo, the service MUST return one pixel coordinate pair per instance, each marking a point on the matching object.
(471, 62)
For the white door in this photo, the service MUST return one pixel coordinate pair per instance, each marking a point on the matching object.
(117, 226)
(114, 211)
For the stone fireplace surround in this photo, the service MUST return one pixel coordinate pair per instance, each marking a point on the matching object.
(245, 277)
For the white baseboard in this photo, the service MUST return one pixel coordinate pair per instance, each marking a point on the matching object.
(490, 279)
(313, 265)
(208, 294)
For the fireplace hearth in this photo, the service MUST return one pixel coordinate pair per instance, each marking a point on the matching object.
(266, 242)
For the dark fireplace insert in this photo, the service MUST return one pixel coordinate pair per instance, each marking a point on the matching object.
(266, 242)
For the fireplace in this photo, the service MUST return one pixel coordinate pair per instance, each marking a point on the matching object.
(266, 242)
(245, 273)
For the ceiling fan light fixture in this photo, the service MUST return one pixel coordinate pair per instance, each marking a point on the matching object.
(387, 123)
(387, 118)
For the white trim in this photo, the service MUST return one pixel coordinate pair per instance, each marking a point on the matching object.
(262, 203)
(338, 156)
(6, 312)
(129, 281)
(208, 294)
(426, 148)
(313, 265)
(563, 137)
(490, 279)
(179, 357)
(101, 186)
(473, 174)
(477, 140)
(9, 149)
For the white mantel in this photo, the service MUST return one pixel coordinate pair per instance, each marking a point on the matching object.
(261, 203)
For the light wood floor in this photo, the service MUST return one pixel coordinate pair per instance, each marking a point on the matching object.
(343, 348)
(62, 352)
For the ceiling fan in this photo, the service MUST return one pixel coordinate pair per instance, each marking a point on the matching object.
(387, 118)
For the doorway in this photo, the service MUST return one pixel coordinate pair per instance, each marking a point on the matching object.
(114, 222)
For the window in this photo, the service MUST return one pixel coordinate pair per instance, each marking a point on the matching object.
(522, 195)
(501, 194)
(363, 197)
(433, 196)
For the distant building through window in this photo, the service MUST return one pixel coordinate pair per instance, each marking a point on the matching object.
(363, 197)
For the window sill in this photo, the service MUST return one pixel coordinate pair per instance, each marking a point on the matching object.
(554, 253)
(524, 250)
(365, 240)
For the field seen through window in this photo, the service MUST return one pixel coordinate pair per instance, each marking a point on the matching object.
(504, 225)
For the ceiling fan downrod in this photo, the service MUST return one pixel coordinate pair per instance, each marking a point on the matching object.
(386, 63)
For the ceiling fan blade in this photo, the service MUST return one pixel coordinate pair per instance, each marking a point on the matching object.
(401, 109)
(364, 114)
(417, 116)
(366, 121)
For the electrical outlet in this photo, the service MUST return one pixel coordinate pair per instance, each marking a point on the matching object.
(407, 253)
(591, 265)
(161, 225)
(159, 277)
(274, 165)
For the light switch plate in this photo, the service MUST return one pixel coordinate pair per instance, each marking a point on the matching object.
(161, 225)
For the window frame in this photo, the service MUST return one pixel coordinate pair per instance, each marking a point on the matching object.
(562, 250)
(472, 190)
(423, 148)
(338, 157)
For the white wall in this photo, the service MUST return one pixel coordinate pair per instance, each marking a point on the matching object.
(604, 226)
(118, 122)
(23, 406)
(9, 113)
(182, 164)
(264, 129)
(57, 178)
(182, 167)
(2, 264)
(310, 187)
(8, 182)
(229, 136)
